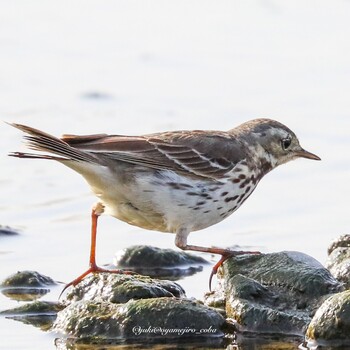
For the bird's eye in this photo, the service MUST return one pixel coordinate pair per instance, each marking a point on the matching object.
(286, 143)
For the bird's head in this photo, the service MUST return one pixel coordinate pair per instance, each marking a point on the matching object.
(279, 142)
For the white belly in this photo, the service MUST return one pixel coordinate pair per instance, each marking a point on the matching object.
(163, 200)
(170, 201)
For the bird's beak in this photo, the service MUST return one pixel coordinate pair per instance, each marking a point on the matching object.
(305, 154)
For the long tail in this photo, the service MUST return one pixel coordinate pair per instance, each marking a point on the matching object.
(40, 141)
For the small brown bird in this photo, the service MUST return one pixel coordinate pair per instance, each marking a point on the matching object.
(176, 182)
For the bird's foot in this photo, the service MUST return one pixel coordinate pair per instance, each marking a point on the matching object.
(94, 269)
(226, 255)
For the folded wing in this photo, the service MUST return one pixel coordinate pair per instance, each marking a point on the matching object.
(196, 153)
(204, 154)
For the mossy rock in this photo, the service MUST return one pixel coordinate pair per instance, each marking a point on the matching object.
(140, 319)
(120, 288)
(274, 293)
(40, 314)
(338, 261)
(30, 279)
(331, 323)
(158, 262)
(26, 285)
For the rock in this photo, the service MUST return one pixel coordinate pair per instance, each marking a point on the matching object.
(106, 307)
(96, 95)
(331, 323)
(265, 343)
(340, 242)
(30, 279)
(338, 261)
(39, 313)
(26, 285)
(7, 231)
(274, 293)
(35, 308)
(216, 298)
(157, 262)
(139, 319)
(117, 288)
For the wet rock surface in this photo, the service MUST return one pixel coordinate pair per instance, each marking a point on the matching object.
(116, 288)
(30, 279)
(111, 306)
(331, 323)
(145, 318)
(157, 262)
(338, 261)
(274, 293)
(26, 285)
(40, 314)
(269, 301)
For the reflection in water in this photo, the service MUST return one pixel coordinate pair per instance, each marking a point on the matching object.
(40, 314)
(24, 294)
(70, 344)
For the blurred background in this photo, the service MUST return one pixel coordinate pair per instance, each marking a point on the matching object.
(135, 67)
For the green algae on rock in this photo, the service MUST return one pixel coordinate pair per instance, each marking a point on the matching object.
(120, 288)
(275, 293)
(338, 261)
(158, 262)
(331, 323)
(30, 279)
(144, 318)
(26, 285)
(40, 314)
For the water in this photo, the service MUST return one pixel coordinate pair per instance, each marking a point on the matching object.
(133, 67)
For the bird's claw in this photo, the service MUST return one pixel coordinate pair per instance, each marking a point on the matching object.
(94, 269)
(228, 254)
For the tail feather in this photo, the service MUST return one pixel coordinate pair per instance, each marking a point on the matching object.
(34, 156)
(43, 142)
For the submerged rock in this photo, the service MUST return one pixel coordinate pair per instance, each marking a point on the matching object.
(331, 323)
(116, 307)
(338, 261)
(7, 231)
(30, 279)
(139, 319)
(157, 262)
(26, 285)
(266, 342)
(274, 293)
(117, 288)
(40, 314)
(96, 95)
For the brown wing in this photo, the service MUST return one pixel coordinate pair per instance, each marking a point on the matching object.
(207, 154)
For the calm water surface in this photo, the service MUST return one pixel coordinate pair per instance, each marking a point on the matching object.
(133, 67)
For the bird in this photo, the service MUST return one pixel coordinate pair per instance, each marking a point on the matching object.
(174, 181)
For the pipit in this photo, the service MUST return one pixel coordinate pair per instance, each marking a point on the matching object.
(177, 181)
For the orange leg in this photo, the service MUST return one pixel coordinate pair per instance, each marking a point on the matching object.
(226, 254)
(96, 212)
(181, 242)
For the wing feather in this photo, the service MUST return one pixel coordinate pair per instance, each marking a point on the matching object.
(204, 154)
(193, 153)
